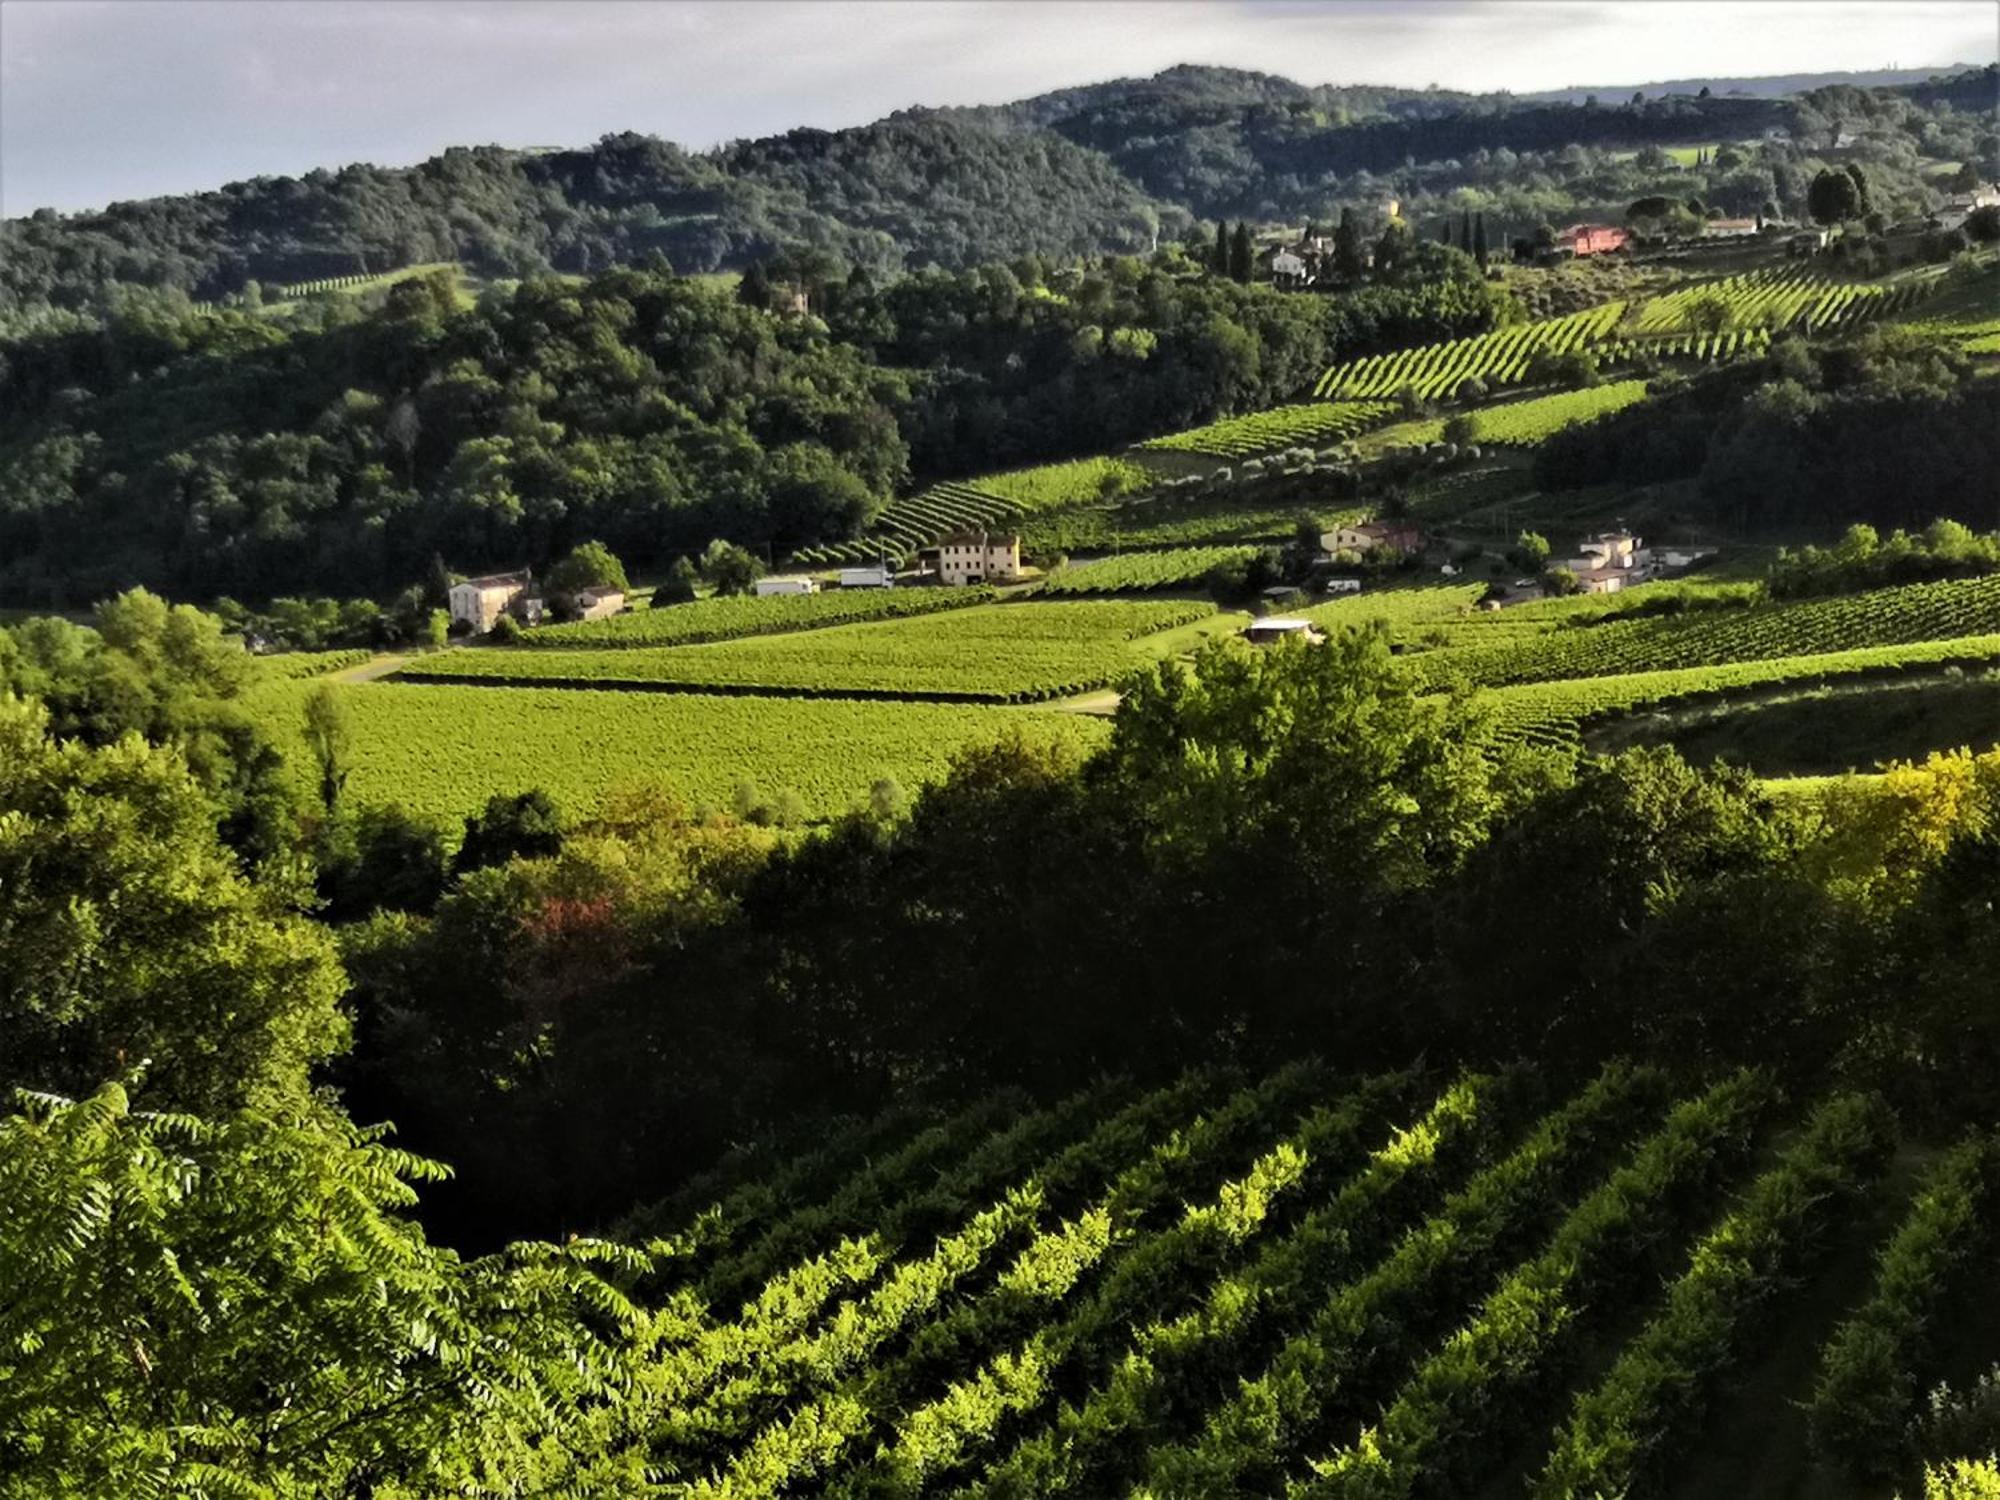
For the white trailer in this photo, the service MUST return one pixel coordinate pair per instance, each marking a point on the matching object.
(879, 577)
(786, 585)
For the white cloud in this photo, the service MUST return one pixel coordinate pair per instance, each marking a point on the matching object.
(106, 99)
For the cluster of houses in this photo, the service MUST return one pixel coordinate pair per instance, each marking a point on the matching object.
(1614, 560)
(1308, 261)
(478, 603)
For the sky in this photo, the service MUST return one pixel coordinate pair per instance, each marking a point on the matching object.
(102, 100)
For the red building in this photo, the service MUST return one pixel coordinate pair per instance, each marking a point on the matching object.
(1592, 239)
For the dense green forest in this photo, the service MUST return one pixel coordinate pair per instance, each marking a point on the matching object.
(1111, 168)
(220, 452)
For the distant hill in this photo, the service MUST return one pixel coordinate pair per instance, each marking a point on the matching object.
(1770, 86)
(1112, 167)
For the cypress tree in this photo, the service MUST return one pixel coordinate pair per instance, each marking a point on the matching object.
(754, 290)
(1479, 249)
(1221, 266)
(1465, 231)
(1444, 231)
(1242, 259)
(1347, 247)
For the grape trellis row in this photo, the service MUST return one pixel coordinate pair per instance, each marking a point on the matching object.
(1313, 1287)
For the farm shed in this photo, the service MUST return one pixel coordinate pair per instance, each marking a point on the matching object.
(598, 601)
(1277, 628)
(789, 584)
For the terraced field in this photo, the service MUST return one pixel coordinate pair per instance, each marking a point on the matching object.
(1435, 371)
(1311, 423)
(915, 521)
(1310, 1286)
(995, 653)
(918, 520)
(443, 750)
(1777, 298)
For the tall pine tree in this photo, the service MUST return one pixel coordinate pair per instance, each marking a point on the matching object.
(1479, 249)
(1465, 231)
(1221, 262)
(1242, 259)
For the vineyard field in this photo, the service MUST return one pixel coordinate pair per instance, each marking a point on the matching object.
(1435, 371)
(1824, 728)
(1307, 423)
(1522, 424)
(1164, 523)
(1553, 713)
(443, 750)
(729, 618)
(1138, 572)
(294, 664)
(1300, 1286)
(1001, 653)
(1401, 607)
(1904, 615)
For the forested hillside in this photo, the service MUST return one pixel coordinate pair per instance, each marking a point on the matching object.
(220, 451)
(1104, 168)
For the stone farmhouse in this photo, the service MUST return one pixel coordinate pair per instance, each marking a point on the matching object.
(976, 557)
(480, 602)
(1405, 537)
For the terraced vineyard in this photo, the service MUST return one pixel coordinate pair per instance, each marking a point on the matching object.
(1706, 347)
(729, 618)
(1435, 371)
(442, 751)
(1309, 422)
(1777, 298)
(915, 521)
(1305, 1286)
(995, 653)
(1138, 572)
(918, 520)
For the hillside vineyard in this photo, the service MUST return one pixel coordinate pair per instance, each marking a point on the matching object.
(1198, 787)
